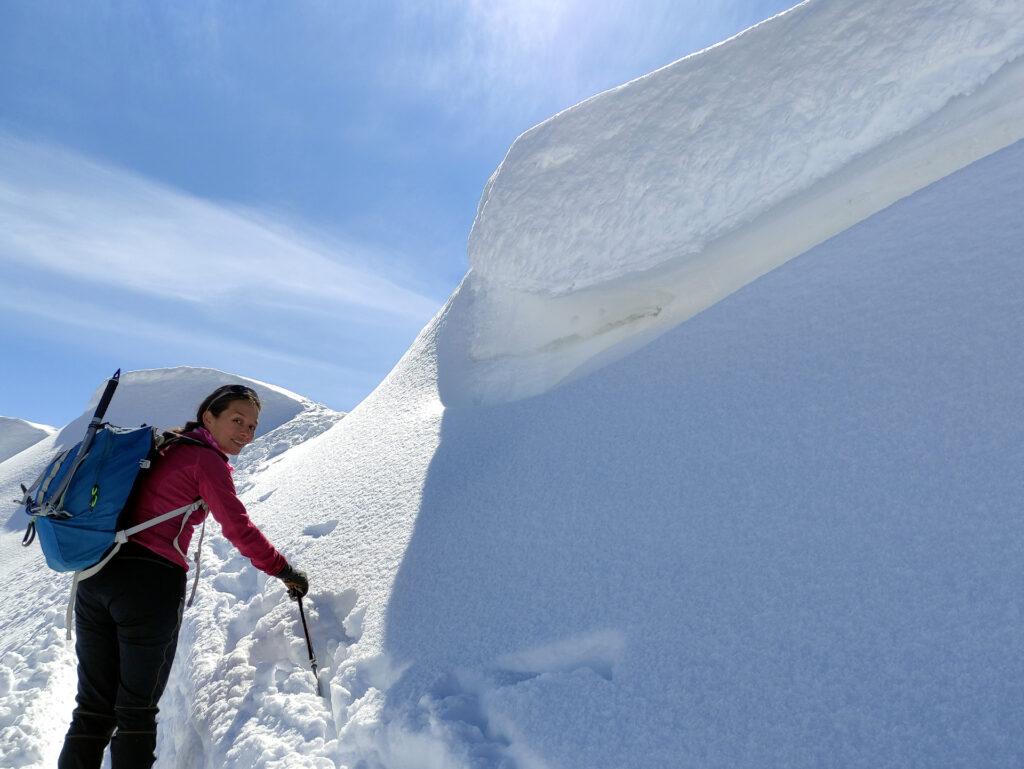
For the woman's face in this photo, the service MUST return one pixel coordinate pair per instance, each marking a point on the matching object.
(235, 427)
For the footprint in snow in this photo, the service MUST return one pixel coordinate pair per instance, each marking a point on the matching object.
(320, 529)
(457, 699)
(600, 652)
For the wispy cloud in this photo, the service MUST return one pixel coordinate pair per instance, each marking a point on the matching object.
(490, 54)
(72, 216)
(90, 321)
(528, 58)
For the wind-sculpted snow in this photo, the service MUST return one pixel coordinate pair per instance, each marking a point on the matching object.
(631, 212)
(16, 435)
(775, 536)
(168, 397)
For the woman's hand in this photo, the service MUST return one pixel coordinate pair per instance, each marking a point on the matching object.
(294, 580)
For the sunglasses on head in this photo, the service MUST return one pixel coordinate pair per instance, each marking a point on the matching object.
(231, 391)
(236, 389)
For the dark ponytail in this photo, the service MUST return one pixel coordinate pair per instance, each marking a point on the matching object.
(219, 400)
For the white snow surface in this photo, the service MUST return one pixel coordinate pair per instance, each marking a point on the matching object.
(625, 215)
(778, 534)
(168, 398)
(16, 435)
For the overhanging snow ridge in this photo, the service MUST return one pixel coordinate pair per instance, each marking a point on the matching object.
(633, 211)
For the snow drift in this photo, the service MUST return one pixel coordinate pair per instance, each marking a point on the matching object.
(625, 215)
(775, 536)
(16, 435)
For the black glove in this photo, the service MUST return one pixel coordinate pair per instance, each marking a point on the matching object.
(294, 580)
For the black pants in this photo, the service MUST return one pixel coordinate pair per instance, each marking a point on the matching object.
(126, 620)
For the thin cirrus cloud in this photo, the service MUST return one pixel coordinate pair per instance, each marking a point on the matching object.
(534, 56)
(69, 215)
(104, 321)
(497, 52)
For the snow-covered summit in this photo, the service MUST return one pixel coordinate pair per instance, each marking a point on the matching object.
(168, 397)
(18, 434)
(631, 212)
(165, 398)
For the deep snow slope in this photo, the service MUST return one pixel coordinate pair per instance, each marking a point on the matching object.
(781, 534)
(16, 435)
(624, 215)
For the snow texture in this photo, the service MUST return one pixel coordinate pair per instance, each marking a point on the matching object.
(778, 534)
(633, 211)
(16, 435)
(775, 536)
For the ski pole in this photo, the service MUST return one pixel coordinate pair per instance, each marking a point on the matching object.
(309, 646)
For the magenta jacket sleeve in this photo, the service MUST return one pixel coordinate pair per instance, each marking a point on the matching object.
(218, 491)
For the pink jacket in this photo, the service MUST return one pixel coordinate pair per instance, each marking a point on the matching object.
(187, 473)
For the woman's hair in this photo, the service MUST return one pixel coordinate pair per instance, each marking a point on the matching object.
(219, 400)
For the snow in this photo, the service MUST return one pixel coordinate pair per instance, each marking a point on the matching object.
(633, 211)
(167, 398)
(16, 435)
(778, 534)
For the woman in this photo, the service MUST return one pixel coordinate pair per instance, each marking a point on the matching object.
(127, 616)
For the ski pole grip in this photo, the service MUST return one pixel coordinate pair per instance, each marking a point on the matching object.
(108, 393)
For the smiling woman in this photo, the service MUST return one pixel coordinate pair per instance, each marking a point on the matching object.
(231, 415)
(127, 616)
(235, 428)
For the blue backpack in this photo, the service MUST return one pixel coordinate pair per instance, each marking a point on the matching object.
(75, 505)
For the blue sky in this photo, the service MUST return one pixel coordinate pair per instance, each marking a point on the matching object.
(281, 190)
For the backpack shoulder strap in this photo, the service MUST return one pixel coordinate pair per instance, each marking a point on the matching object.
(170, 438)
